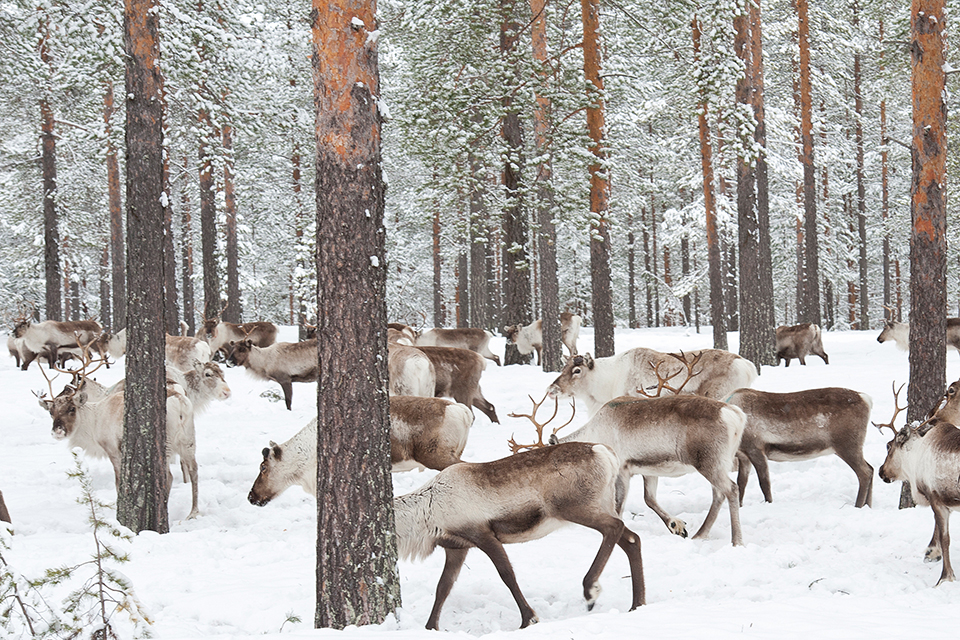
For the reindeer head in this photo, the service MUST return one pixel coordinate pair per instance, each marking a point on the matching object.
(573, 371)
(261, 493)
(240, 352)
(510, 332)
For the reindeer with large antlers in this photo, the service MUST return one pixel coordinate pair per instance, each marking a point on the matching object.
(91, 417)
(670, 436)
(927, 455)
(539, 426)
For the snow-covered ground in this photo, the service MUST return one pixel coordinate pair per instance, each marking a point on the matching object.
(812, 564)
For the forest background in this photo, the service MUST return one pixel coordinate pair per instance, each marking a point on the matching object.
(239, 138)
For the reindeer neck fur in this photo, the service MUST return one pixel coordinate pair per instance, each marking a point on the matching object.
(302, 450)
(417, 532)
(98, 427)
(932, 463)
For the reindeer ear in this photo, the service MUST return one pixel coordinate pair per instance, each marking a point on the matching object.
(81, 398)
(922, 430)
(588, 360)
(266, 452)
(47, 404)
(277, 451)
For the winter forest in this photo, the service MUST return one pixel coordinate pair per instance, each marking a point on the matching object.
(238, 132)
(688, 176)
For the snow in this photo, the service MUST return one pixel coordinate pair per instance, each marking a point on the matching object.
(812, 564)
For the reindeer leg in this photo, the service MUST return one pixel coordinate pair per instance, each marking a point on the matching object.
(630, 543)
(759, 461)
(451, 569)
(494, 550)
(743, 474)
(941, 516)
(934, 552)
(675, 525)
(724, 488)
(612, 530)
(481, 403)
(864, 474)
(287, 387)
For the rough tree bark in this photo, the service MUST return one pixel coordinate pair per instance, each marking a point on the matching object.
(600, 279)
(186, 253)
(171, 311)
(888, 312)
(357, 579)
(516, 265)
(142, 496)
(861, 188)
(714, 258)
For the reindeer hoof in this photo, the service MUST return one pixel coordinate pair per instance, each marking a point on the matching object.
(932, 554)
(678, 527)
(532, 620)
(592, 594)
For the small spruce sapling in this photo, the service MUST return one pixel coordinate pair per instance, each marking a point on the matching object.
(89, 609)
(23, 610)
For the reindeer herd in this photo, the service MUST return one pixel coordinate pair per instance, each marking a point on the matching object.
(649, 413)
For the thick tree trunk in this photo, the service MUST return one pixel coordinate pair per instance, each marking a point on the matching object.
(600, 280)
(756, 286)
(234, 309)
(357, 579)
(142, 495)
(115, 206)
(516, 264)
(861, 188)
(51, 230)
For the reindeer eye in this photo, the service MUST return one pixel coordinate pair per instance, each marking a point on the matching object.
(263, 467)
(576, 371)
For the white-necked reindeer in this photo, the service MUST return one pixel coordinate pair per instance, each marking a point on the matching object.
(519, 498)
(672, 436)
(928, 457)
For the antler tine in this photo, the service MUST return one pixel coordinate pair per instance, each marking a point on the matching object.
(49, 383)
(690, 365)
(515, 447)
(896, 409)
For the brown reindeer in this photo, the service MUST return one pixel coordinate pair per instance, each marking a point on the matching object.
(476, 340)
(458, 374)
(519, 498)
(798, 341)
(282, 362)
(800, 426)
(219, 335)
(48, 337)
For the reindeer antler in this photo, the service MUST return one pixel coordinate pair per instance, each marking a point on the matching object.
(662, 381)
(532, 417)
(896, 410)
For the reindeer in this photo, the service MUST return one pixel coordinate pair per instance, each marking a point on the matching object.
(458, 376)
(519, 498)
(182, 352)
(597, 381)
(801, 426)
(928, 457)
(476, 340)
(411, 372)
(93, 420)
(48, 337)
(282, 362)
(4, 514)
(798, 341)
(899, 332)
(530, 338)
(670, 436)
(219, 334)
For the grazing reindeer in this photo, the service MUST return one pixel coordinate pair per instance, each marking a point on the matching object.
(899, 332)
(516, 499)
(476, 340)
(424, 432)
(458, 374)
(799, 341)
(672, 436)
(48, 337)
(220, 334)
(801, 426)
(928, 457)
(597, 381)
(530, 338)
(282, 362)
(411, 372)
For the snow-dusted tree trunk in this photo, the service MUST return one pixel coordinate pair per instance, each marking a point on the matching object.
(357, 579)
(808, 309)
(142, 495)
(48, 164)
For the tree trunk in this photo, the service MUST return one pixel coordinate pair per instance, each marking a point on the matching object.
(51, 232)
(479, 296)
(115, 206)
(186, 252)
(171, 307)
(208, 225)
(142, 495)
(234, 310)
(551, 357)
(888, 313)
(861, 188)
(516, 265)
(105, 285)
(810, 309)
(647, 277)
(756, 285)
(463, 273)
(357, 579)
(439, 315)
(602, 295)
